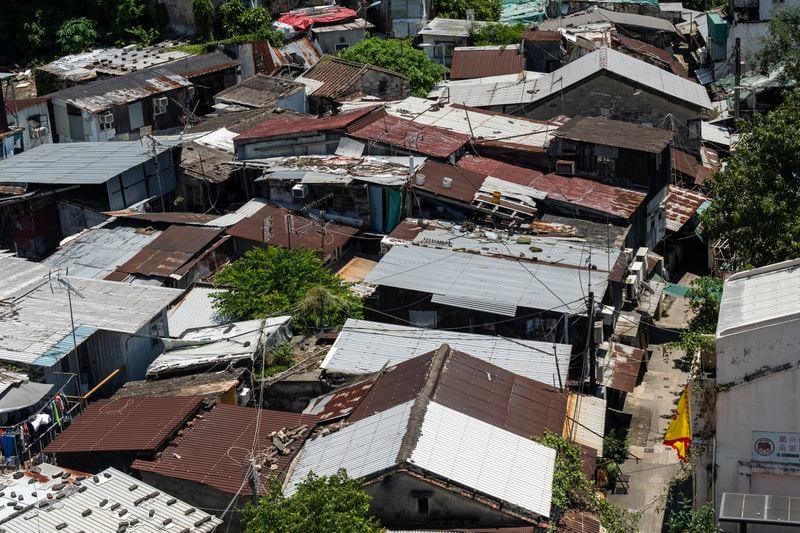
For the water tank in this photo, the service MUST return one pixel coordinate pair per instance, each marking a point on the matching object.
(447, 182)
(420, 179)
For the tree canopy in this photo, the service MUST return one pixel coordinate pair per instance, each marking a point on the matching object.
(400, 56)
(782, 43)
(273, 281)
(756, 205)
(203, 11)
(333, 504)
(497, 34)
(76, 35)
(488, 10)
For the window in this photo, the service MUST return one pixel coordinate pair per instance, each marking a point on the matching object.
(422, 505)
(606, 167)
(106, 121)
(159, 105)
(342, 46)
(342, 40)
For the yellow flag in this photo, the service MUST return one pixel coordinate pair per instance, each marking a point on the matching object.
(679, 433)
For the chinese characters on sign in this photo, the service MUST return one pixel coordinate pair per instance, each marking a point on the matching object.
(774, 447)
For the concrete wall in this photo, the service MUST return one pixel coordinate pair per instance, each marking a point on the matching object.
(311, 144)
(765, 404)
(604, 95)
(330, 40)
(297, 101)
(38, 113)
(394, 502)
(740, 355)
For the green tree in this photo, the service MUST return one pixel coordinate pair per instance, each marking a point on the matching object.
(400, 56)
(686, 519)
(203, 11)
(254, 20)
(704, 298)
(488, 10)
(756, 205)
(76, 35)
(573, 490)
(273, 280)
(230, 14)
(333, 504)
(497, 34)
(782, 43)
(131, 23)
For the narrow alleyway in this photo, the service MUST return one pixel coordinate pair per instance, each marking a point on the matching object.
(651, 405)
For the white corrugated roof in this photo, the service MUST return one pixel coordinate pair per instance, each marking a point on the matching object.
(35, 323)
(110, 497)
(364, 347)
(486, 283)
(479, 125)
(247, 210)
(195, 310)
(485, 458)
(530, 90)
(447, 444)
(364, 448)
(590, 421)
(755, 298)
(75, 163)
(98, 252)
(449, 27)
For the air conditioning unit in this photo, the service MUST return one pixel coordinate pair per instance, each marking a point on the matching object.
(565, 167)
(608, 315)
(638, 270)
(300, 191)
(598, 331)
(641, 254)
(160, 102)
(630, 288)
(38, 133)
(107, 118)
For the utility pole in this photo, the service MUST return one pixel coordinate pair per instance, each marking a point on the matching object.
(253, 481)
(266, 231)
(738, 81)
(289, 228)
(322, 242)
(592, 347)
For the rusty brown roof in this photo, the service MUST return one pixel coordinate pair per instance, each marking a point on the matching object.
(578, 522)
(126, 424)
(681, 205)
(648, 52)
(622, 366)
(542, 35)
(306, 234)
(339, 76)
(215, 450)
(279, 126)
(168, 252)
(688, 165)
(340, 402)
(463, 188)
(483, 61)
(210, 385)
(607, 132)
(473, 387)
(198, 219)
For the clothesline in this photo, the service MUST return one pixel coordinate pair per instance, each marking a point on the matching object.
(42, 408)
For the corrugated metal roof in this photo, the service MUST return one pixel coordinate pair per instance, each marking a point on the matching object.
(214, 452)
(170, 251)
(258, 91)
(195, 310)
(35, 316)
(470, 386)
(363, 347)
(687, 164)
(340, 402)
(465, 183)
(759, 297)
(606, 132)
(655, 54)
(480, 92)
(250, 208)
(526, 90)
(363, 449)
(488, 459)
(483, 283)
(681, 205)
(605, 15)
(589, 416)
(621, 366)
(578, 522)
(80, 163)
(282, 126)
(126, 424)
(449, 27)
(486, 128)
(482, 61)
(306, 232)
(409, 135)
(97, 252)
(209, 385)
(102, 503)
(216, 347)
(338, 76)
(165, 218)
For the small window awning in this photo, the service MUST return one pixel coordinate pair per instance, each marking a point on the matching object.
(759, 509)
(621, 366)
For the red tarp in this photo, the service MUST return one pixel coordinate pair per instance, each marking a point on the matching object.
(302, 22)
